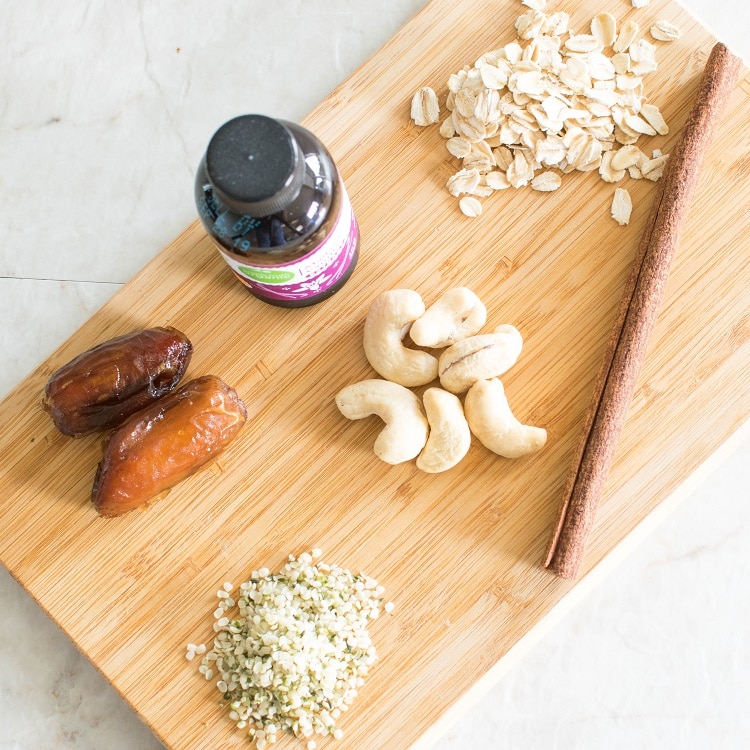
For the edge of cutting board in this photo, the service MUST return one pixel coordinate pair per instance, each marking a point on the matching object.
(585, 586)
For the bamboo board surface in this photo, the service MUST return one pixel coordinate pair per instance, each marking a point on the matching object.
(459, 553)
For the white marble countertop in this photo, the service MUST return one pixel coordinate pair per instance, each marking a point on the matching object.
(105, 109)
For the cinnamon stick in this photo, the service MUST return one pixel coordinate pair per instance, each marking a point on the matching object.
(636, 316)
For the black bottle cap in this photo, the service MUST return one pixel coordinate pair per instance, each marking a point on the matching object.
(255, 165)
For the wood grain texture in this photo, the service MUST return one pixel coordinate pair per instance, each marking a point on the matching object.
(458, 553)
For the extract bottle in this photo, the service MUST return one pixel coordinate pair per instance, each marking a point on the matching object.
(271, 198)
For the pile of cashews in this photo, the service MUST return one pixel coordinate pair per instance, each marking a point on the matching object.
(436, 430)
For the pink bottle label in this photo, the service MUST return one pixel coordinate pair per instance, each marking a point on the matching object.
(313, 273)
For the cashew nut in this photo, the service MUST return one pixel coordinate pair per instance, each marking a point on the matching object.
(387, 323)
(456, 314)
(479, 358)
(491, 420)
(449, 438)
(406, 427)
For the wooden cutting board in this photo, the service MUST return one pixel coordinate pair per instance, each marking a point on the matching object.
(459, 553)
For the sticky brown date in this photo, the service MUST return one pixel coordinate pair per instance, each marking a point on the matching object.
(165, 443)
(102, 387)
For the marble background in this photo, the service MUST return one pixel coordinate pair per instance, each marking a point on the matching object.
(105, 109)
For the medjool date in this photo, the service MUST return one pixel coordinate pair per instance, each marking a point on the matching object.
(165, 443)
(102, 387)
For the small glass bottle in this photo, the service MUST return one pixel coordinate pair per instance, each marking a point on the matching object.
(270, 196)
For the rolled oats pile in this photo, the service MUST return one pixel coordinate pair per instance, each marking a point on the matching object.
(551, 102)
(297, 649)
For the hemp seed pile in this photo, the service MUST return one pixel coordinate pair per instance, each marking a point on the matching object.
(297, 651)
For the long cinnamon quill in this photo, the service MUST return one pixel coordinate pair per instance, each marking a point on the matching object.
(639, 307)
